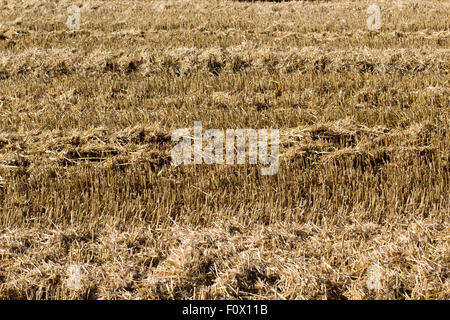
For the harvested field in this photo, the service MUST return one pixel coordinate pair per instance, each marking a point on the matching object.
(359, 208)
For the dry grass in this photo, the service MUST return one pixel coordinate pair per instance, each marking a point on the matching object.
(359, 208)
